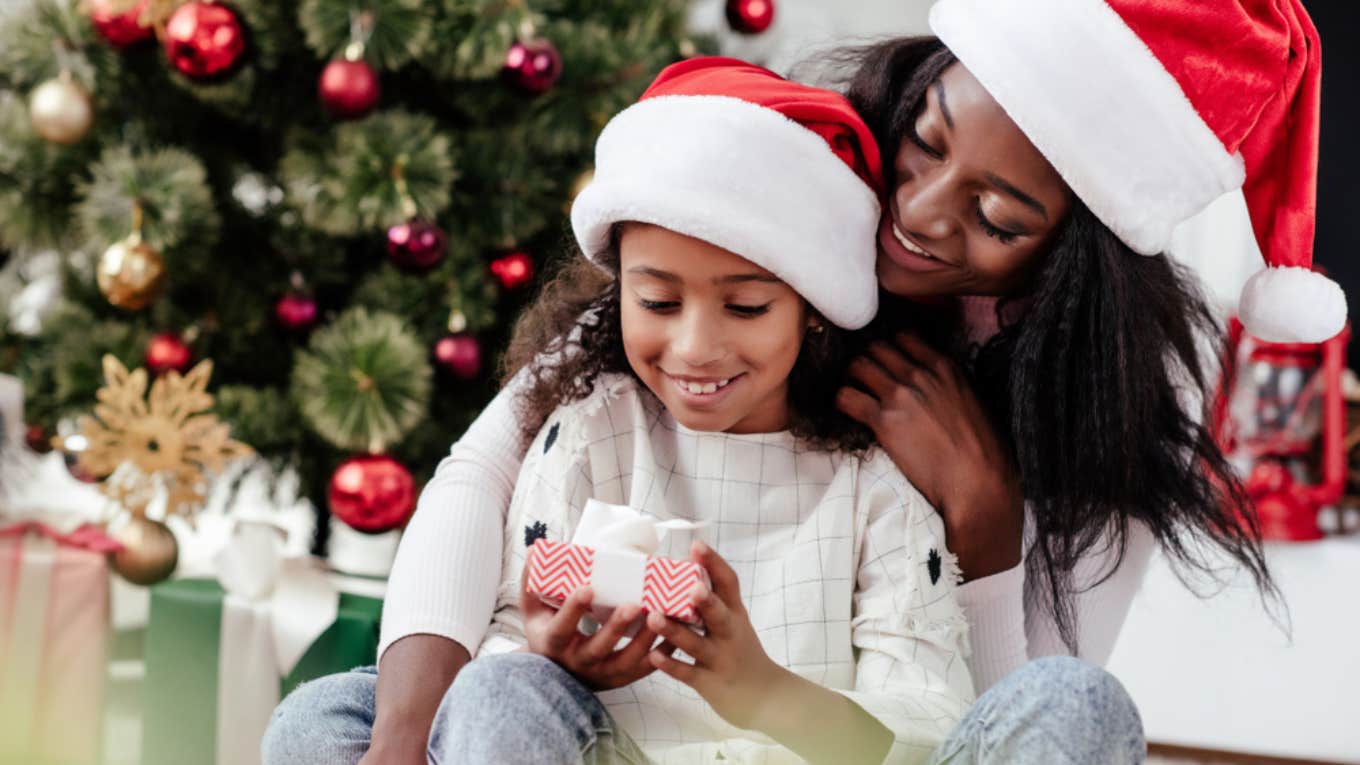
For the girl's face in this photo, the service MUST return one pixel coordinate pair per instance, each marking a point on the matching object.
(711, 334)
(975, 204)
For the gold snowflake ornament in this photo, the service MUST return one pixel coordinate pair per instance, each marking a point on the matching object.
(168, 436)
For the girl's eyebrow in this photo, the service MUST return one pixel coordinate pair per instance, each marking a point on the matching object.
(667, 276)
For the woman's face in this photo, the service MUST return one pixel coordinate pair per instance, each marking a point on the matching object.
(975, 204)
(711, 334)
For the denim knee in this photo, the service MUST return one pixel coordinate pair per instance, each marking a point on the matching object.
(327, 720)
(1072, 678)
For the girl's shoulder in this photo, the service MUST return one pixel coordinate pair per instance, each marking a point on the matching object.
(615, 404)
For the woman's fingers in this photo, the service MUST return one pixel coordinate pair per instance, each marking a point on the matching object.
(925, 357)
(873, 377)
(901, 367)
(858, 405)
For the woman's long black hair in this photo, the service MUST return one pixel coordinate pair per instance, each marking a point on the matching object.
(1100, 386)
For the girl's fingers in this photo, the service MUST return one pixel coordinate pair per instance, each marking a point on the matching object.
(599, 646)
(685, 673)
(680, 636)
(562, 629)
(858, 405)
(717, 616)
(725, 583)
(873, 377)
(637, 649)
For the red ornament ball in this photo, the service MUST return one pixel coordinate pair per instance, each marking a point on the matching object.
(121, 30)
(750, 17)
(204, 40)
(38, 439)
(533, 66)
(372, 493)
(415, 246)
(459, 355)
(296, 312)
(514, 270)
(348, 89)
(168, 351)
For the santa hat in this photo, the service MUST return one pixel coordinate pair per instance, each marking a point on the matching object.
(782, 174)
(1151, 110)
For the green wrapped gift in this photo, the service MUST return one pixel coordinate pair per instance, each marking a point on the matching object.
(217, 664)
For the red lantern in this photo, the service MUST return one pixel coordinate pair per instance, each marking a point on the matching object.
(1281, 421)
(514, 270)
(349, 89)
(168, 351)
(121, 30)
(203, 40)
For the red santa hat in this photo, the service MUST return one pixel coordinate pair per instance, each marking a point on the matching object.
(782, 174)
(1151, 110)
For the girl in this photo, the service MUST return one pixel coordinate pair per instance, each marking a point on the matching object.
(701, 388)
(1075, 459)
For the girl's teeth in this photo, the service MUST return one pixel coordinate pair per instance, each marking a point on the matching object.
(709, 387)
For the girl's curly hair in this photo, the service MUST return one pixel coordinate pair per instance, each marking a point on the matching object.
(572, 334)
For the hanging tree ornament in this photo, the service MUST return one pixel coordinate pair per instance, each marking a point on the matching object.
(417, 245)
(131, 273)
(60, 110)
(349, 87)
(162, 442)
(204, 40)
(750, 17)
(532, 64)
(458, 356)
(514, 270)
(296, 311)
(120, 23)
(372, 493)
(168, 351)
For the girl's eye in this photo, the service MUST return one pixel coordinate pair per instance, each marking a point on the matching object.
(748, 311)
(992, 230)
(658, 306)
(921, 144)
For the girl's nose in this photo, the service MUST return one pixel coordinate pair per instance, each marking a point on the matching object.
(698, 339)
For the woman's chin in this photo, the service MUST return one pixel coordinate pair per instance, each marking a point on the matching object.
(911, 285)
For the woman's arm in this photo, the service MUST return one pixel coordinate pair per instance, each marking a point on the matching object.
(442, 589)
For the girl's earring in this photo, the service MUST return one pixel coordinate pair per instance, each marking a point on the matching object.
(817, 328)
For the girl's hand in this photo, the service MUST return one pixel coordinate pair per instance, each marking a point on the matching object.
(731, 670)
(591, 658)
(927, 419)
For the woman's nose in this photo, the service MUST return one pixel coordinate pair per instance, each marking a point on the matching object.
(926, 205)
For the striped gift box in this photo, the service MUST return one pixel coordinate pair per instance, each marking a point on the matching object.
(556, 569)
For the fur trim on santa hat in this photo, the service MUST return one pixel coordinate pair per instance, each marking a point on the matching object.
(1292, 305)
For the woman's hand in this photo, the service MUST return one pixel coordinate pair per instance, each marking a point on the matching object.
(591, 658)
(927, 419)
(731, 669)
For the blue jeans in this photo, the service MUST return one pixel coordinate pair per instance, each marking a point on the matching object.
(522, 708)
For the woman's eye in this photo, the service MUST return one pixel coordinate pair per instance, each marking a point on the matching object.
(994, 231)
(658, 306)
(748, 310)
(915, 138)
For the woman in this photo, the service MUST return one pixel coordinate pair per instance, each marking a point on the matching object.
(1041, 153)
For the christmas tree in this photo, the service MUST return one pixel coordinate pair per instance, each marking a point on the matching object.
(341, 204)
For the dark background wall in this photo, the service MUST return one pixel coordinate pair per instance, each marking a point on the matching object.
(1337, 245)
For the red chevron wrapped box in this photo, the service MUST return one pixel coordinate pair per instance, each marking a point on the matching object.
(557, 569)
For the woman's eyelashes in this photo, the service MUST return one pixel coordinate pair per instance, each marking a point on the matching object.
(992, 230)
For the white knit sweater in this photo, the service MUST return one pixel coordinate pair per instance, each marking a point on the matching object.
(447, 570)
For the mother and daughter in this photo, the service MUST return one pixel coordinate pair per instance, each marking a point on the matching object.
(899, 519)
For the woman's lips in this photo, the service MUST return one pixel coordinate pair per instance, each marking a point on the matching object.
(903, 252)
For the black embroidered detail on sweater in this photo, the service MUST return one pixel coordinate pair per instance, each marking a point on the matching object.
(533, 533)
(933, 566)
(551, 438)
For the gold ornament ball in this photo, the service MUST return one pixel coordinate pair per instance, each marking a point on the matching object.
(149, 552)
(130, 274)
(60, 111)
(577, 186)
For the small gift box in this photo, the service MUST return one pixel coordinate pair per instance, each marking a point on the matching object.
(221, 653)
(612, 551)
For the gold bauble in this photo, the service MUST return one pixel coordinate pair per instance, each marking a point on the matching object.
(149, 552)
(131, 274)
(577, 186)
(60, 111)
